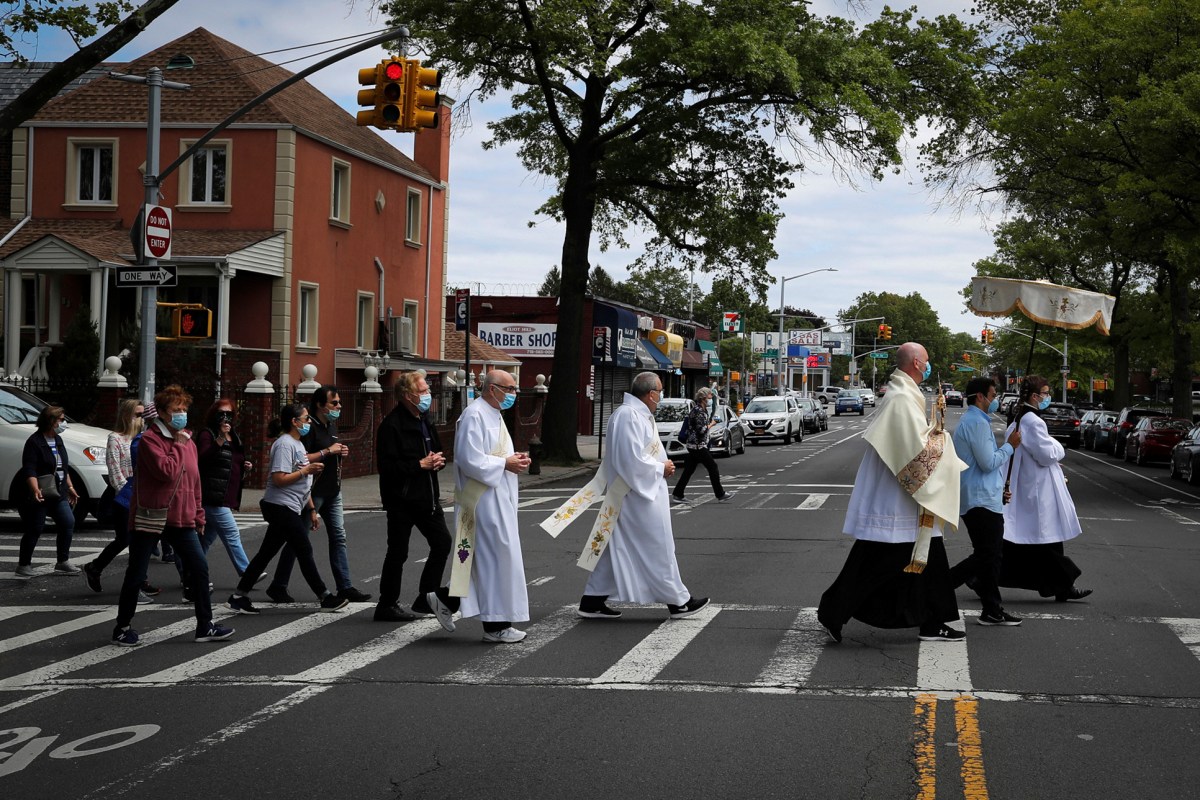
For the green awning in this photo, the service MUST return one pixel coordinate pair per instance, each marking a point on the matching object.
(714, 361)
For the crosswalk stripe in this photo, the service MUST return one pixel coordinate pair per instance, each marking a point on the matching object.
(943, 667)
(49, 632)
(486, 668)
(366, 654)
(651, 655)
(793, 660)
(239, 649)
(812, 502)
(1188, 631)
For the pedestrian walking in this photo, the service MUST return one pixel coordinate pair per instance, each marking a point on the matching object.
(636, 560)
(907, 487)
(321, 443)
(700, 420)
(410, 457)
(48, 491)
(981, 500)
(288, 510)
(1041, 515)
(488, 571)
(167, 503)
(223, 466)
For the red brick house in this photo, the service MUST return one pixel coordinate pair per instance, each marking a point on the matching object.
(301, 231)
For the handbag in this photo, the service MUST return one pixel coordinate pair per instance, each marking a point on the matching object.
(685, 430)
(152, 520)
(48, 484)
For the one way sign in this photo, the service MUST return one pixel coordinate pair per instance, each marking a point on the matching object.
(165, 275)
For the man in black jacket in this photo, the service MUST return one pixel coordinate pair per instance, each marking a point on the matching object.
(410, 456)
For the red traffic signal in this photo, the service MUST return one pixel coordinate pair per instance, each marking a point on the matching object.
(191, 323)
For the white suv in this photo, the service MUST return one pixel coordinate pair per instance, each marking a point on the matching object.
(827, 394)
(772, 417)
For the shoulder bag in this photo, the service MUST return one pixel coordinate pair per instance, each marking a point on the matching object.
(152, 520)
(48, 484)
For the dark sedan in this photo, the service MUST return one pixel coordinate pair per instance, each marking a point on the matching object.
(1154, 438)
(1185, 457)
(814, 415)
(1062, 422)
(1091, 426)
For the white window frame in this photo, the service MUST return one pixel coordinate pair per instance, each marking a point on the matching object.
(339, 192)
(412, 310)
(75, 148)
(366, 321)
(412, 217)
(307, 313)
(185, 177)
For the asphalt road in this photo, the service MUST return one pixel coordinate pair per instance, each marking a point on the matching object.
(1098, 699)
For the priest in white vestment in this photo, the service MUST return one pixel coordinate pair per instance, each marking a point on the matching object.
(907, 487)
(638, 564)
(1041, 514)
(483, 452)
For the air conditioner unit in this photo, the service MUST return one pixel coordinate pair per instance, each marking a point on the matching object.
(400, 335)
(645, 324)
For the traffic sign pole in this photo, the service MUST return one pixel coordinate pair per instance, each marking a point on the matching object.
(147, 356)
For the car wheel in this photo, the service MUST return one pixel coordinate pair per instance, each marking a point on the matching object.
(1175, 473)
(862, 412)
(742, 446)
(1193, 476)
(1140, 457)
(800, 435)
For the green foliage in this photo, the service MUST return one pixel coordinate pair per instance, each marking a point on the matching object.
(21, 21)
(72, 366)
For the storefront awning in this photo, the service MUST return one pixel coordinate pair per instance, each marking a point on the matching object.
(652, 359)
(694, 359)
(622, 334)
(669, 344)
(714, 361)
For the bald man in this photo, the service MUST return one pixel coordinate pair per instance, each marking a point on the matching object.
(907, 487)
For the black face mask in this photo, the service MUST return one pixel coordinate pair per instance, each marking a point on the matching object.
(224, 416)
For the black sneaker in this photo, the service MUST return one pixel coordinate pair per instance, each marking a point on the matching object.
(91, 576)
(150, 590)
(214, 633)
(352, 595)
(241, 605)
(692, 606)
(944, 634)
(1003, 618)
(602, 612)
(332, 602)
(279, 595)
(125, 637)
(393, 613)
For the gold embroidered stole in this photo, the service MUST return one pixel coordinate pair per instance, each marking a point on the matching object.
(466, 499)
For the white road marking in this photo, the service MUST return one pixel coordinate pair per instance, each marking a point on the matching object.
(540, 581)
(1188, 631)
(943, 666)
(794, 658)
(366, 654)
(1167, 486)
(762, 500)
(499, 660)
(651, 655)
(812, 502)
(1174, 516)
(51, 631)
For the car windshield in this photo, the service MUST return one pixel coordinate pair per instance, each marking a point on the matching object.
(18, 406)
(1170, 424)
(671, 412)
(769, 405)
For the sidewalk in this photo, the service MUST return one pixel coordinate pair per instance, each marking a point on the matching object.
(363, 493)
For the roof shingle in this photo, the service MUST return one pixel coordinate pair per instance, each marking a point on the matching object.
(481, 352)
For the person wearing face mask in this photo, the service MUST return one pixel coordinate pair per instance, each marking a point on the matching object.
(701, 417)
(47, 476)
(321, 442)
(488, 570)
(410, 457)
(982, 501)
(1041, 515)
(906, 489)
(223, 466)
(288, 509)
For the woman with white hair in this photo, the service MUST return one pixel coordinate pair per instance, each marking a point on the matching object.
(699, 420)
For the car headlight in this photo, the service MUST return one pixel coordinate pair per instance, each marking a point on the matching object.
(778, 421)
(96, 455)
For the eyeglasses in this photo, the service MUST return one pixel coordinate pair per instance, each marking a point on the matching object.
(506, 389)
(333, 403)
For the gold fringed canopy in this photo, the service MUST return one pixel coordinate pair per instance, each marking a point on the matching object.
(1043, 302)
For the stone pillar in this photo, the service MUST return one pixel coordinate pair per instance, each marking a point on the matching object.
(258, 409)
(306, 387)
(112, 390)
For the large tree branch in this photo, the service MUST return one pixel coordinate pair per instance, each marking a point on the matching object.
(43, 90)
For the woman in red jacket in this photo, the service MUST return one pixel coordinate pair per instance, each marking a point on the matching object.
(168, 476)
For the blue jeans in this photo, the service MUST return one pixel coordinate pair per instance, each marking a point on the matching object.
(219, 521)
(188, 551)
(330, 509)
(34, 516)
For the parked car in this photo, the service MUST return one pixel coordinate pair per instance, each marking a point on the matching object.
(773, 418)
(813, 414)
(1126, 420)
(868, 397)
(1062, 422)
(882, 390)
(1091, 426)
(1006, 402)
(728, 436)
(1153, 438)
(86, 449)
(955, 398)
(848, 403)
(668, 419)
(1185, 457)
(827, 394)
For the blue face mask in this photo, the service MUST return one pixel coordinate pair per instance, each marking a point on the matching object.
(928, 371)
(994, 406)
(425, 401)
(333, 413)
(508, 402)
(179, 420)
(1042, 406)
(305, 428)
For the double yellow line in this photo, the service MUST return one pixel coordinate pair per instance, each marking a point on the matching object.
(970, 747)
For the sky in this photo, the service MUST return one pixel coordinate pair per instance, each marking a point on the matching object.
(885, 236)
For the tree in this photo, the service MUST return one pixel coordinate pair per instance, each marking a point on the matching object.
(911, 318)
(80, 22)
(681, 118)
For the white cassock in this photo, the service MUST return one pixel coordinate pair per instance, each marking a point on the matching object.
(497, 590)
(1041, 510)
(639, 565)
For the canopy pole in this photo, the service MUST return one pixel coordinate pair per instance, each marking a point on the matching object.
(1032, 342)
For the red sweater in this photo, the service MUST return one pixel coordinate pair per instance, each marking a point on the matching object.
(160, 459)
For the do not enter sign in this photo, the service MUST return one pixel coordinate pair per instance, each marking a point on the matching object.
(158, 232)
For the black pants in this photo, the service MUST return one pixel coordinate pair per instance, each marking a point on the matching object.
(120, 525)
(1044, 568)
(284, 526)
(189, 550)
(432, 526)
(696, 456)
(986, 529)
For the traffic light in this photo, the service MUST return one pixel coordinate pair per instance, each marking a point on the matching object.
(885, 331)
(386, 98)
(966, 358)
(983, 336)
(191, 323)
(421, 98)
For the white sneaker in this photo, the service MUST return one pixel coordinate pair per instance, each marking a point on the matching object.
(504, 636)
(445, 616)
(66, 568)
(144, 598)
(25, 571)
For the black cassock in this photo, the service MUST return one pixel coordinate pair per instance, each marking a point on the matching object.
(874, 588)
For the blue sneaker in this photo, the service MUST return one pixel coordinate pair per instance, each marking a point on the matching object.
(125, 637)
(241, 605)
(215, 633)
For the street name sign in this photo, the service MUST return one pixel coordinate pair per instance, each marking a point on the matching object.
(164, 275)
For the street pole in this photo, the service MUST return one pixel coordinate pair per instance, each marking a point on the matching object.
(781, 352)
(1065, 368)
